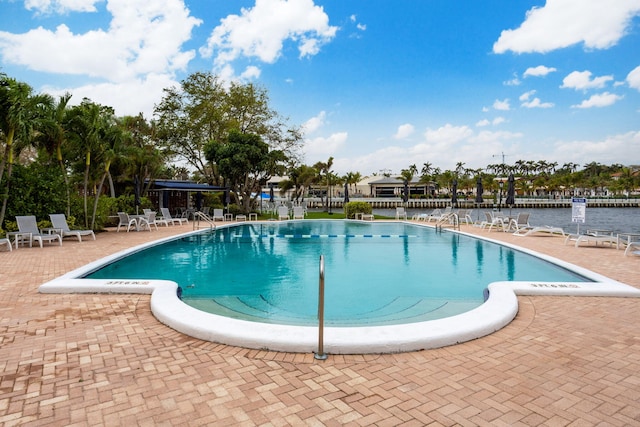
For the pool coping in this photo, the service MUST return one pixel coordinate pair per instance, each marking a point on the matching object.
(498, 311)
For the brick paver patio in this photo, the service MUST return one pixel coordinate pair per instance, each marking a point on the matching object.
(104, 360)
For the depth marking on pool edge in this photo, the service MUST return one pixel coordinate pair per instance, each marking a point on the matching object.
(325, 236)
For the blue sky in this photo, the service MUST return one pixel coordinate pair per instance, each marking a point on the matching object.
(378, 85)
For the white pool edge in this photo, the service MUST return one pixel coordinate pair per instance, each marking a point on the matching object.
(498, 311)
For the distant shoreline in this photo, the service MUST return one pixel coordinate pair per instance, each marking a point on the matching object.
(523, 203)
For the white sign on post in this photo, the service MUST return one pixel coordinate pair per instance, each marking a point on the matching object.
(578, 211)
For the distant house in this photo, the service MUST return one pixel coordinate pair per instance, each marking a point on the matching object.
(176, 195)
(393, 186)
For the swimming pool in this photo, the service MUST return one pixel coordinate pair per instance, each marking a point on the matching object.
(375, 274)
(496, 312)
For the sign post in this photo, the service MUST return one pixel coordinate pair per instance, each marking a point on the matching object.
(578, 211)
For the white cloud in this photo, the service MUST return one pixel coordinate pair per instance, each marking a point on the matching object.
(143, 44)
(515, 81)
(501, 105)
(604, 99)
(251, 72)
(537, 103)
(539, 71)
(128, 98)
(261, 31)
(144, 37)
(607, 150)
(448, 134)
(525, 96)
(320, 148)
(314, 123)
(529, 102)
(489, 137)
(61, 6)
(404, 131)
(581, 80)
(562, 23)
(633, 78)
(494, 122)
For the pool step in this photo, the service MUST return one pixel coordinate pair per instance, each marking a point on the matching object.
(398, 310)
(321, 236)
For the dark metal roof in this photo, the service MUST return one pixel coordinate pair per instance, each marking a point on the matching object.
(391, 180)
(166, 184)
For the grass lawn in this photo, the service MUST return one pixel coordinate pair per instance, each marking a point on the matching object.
(319, 215)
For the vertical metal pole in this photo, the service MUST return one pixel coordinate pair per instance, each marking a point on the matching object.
(321, 355)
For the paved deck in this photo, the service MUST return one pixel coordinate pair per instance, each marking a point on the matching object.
(104, 360)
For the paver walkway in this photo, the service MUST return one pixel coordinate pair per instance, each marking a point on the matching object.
(104, 360)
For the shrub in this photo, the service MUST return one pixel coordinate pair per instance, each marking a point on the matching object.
(352, 208)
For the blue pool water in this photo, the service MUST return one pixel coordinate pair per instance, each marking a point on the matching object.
(375, 273)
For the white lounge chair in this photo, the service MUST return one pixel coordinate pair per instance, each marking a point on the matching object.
(493, 221)
(401, 213)
(595, 236)
(283, 212)
(438, 215)
(166, 215)
(298, 212)
(519, 222)
(218, 215)
(28, 224)
(632, 248)
(6, 242)
(125, 221)
(150, 220)
(528, 231)
(59, 223)
(464, 216)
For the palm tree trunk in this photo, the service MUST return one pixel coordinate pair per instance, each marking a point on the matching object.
(86, 187)
(96, 199)
(5, 196)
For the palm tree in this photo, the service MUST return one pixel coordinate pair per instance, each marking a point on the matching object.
(20, 110)
(324, 174)
(87, 122)
(108, 151)
(52, 135)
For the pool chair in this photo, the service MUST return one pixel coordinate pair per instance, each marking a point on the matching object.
(298, 212)
(60, 226)
(492, 220)
(283, 212)
(6, 242)
(519, 222)
(529, 230)
(633, 248)
(124, 220)
(464, 216)
(166, 215)
(401, 213)
(438, 215)
(152, 220)
(218, 215)
(29, 225)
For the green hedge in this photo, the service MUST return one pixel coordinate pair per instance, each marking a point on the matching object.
(352, 208)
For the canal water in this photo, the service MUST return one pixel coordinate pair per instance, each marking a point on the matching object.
(620, 220)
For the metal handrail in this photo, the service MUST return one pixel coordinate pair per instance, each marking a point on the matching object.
(321, 355)
(201, 216)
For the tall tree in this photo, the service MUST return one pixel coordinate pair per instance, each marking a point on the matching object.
(203, 111)
(52, 135)
(324, 175)
(87, 124)
(245, 161)
(20, 111)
